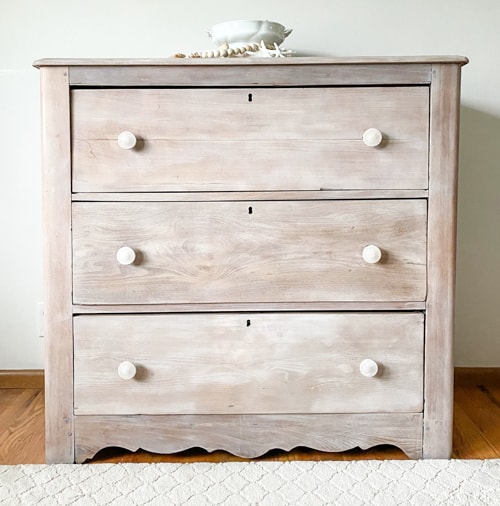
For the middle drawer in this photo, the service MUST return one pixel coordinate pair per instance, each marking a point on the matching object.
(231, 252)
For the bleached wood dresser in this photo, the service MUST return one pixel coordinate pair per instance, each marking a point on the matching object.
(247, 254)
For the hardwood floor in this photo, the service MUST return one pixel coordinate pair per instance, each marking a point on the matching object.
(476, 428)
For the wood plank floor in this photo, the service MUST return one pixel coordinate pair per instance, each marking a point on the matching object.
(476, 429)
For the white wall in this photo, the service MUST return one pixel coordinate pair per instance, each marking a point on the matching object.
(32, 29)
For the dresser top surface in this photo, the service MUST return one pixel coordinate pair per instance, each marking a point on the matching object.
(300, 60)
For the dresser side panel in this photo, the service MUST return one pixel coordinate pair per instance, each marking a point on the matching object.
(443, 164)
(56, 184)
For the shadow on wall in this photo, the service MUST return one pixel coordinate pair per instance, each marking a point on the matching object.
(477, 335)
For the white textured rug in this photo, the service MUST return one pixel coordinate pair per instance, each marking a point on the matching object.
(384, 483)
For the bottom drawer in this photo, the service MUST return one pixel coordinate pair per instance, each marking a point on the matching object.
(248, 363)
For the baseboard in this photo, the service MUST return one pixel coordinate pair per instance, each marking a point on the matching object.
(22, 378)
(473, 376)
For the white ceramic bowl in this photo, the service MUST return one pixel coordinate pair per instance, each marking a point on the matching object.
(240, 33)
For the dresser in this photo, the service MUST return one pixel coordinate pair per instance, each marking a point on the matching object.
(247, 254)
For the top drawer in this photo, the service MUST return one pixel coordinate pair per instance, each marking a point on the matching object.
(249, 139)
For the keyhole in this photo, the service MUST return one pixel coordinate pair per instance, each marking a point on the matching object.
(250, 210)
(249, 97)
(249, 323)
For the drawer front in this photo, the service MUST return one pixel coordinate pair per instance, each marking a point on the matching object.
(225, 252)
(249, 139)
(248, 363)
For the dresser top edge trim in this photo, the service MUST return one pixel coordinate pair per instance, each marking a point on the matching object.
(295, 60)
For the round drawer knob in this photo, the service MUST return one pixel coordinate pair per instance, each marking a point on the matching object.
(127, 370)
(127, 140)
(372, 137)
(372, 254)
(125, 255)
(368, 368)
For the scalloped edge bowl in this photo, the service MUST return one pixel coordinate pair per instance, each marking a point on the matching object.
(242, 32)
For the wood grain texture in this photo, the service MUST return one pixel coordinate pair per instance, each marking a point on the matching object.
(56, 185)
(248, 435)
(443, 166)
(167, 166)
(249, 363)
(249, 252)
(244, 114)
(291, 72)
(22, 425)
(477, 412)
(249, 139)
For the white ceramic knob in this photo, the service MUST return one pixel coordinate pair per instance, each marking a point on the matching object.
(127, 140)
(372, 254)
(368, 368)
(125, 255)
(127, 370)
(372, 137)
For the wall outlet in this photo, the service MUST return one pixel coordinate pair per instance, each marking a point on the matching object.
(40, 326)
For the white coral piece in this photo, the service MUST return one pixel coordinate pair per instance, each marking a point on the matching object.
(264, 52)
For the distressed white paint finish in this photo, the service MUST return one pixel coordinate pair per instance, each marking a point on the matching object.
(56, 180)
(443, 172)
(248, 435)
(271, 243)
(275, 72)
(204, 252)
(249, 139)
(249, 363)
